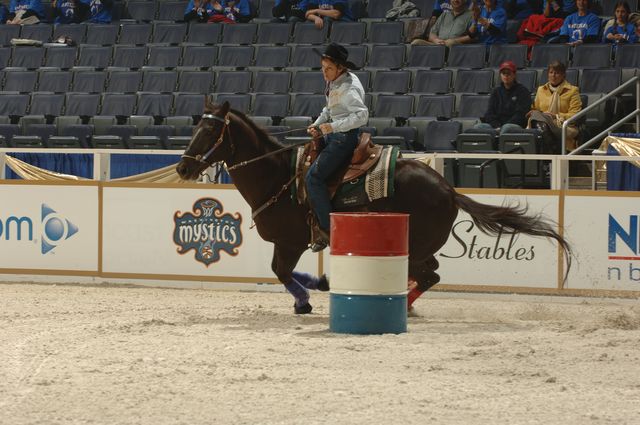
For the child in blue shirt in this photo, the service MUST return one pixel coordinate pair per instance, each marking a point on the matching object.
(580, 27)
(25, 9)
(337, 10)
(622, 31)
(100, 11)
(68, 11)
(198, 10)
(490, 23)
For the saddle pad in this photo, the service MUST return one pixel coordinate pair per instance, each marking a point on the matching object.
(377, 183)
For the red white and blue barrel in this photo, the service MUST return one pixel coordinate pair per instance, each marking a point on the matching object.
(369, 272)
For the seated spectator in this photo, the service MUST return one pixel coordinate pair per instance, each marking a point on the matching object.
(25, 12)
(331, 10)
(622, 31)
(100, 11)
(555, 102)
(450, 27)
(509, 104)
(4, 13)
(580, 27)
(68, 11)
(198, 10)
(231, 11)
(489, 23)
(289, 10)
(522, 9)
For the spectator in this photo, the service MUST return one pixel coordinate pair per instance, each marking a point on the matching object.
(508, 104)
(100, 11)
(289, 11)
(450, 27)
(489, 23)
(231, 11)
(622, 31)
(198, 10)
(331, 10)
(522, 9)
(4, 13)
(68, 11)
(25, 12)
(555, 102)
(580, 27)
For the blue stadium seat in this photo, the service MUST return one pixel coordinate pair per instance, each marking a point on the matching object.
(432, 81)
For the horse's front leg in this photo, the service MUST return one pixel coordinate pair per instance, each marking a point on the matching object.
(284, 260)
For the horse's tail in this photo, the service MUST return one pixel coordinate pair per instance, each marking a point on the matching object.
(491, 219)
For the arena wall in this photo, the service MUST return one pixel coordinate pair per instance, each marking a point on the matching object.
(193, 232)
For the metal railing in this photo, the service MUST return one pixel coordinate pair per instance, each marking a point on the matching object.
(593, 140)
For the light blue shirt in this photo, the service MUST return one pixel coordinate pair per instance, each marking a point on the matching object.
(345, 104)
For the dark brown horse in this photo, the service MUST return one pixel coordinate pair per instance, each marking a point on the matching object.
(227, 135)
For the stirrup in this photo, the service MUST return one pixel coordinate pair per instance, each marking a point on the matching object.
(320, 239)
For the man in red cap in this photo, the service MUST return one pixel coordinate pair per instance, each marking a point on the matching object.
(508, 104)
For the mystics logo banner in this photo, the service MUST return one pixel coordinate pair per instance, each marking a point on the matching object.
(207, 230)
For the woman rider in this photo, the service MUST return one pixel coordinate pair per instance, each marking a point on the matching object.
(338, 123)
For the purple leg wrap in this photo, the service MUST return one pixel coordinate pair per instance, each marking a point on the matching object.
(305, 279)
(298, 291)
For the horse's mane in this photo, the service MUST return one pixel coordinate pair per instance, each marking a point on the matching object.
(260, 132)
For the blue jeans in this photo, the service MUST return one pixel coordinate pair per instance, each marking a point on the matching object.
(337, 153)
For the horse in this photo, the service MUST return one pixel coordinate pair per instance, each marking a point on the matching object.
(260, 169)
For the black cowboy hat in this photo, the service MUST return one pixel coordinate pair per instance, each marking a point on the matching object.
(337, 54)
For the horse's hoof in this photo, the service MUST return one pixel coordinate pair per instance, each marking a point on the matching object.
(323, 283)
(303, 309)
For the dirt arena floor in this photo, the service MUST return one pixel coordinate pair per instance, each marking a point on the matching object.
(121, 355)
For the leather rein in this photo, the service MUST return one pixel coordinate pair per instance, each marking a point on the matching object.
(225, 129)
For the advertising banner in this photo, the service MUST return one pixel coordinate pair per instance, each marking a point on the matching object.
(49, 227)
(201, 232)
(604, 231)
(472, 258)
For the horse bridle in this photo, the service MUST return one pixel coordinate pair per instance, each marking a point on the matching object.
(225, 129)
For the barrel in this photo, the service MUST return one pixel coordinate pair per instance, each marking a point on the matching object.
(369, 273)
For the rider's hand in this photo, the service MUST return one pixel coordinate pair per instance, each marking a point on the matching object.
(313, 131)
(326, 128)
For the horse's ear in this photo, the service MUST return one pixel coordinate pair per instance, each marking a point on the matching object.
(207, 103)
(225, 107)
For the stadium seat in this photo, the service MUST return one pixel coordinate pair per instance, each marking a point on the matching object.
(517, 53)
(118, 104)
(94, 56)
(46, 103)
(426, 57)
(274, 33)
(7, 33)
(347, 32)
(61, 142)
(264, 12)
(364, 76)
(124, 132)
(140, 122)
(193, 81)
(395, 106)
(543, 54)
(599, 80)
(299, 122)
(82, 104)
(29, 57)
(440, 136)
(472, 105)
(160, 80)
(179, 143)
(378, 8)
(13, 104)
(163, 56)
(628, 56)
(82, 132)
(41, 32)
(43, 131)
(307, 33)
(199, 56)
(391, 81)
(126, 56)
(271, 105)
(8, 131)
(239, 33)
(60, 57)
(271, 82)
(308, 82)
(187, 104)
(308, 105)
(27, 142)
(62, 122)
(435, 81)
(591, 56)
(466, 56)
(521, 173)
(473, 81)
(387, 56)
(107, 142)
(386, 32)
(305, 57)
(124, 81)
(135, 34)
(475, 142)
(77, 32)
(272, 56)
(239, 102)
(162, 132)
(439, 106)
(169, 32)
(233, 82)
(204, 33)
(526, 77)
(155, 104)
(357, 55)
(19, 80)
(145, 142)
(235, 56)
(142, 10)
(408, 135)
(102, 124)
(101, 34)
(171, 10)
(89, 81)
(5, 55)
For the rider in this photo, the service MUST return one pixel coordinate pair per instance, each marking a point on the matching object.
(339, 122)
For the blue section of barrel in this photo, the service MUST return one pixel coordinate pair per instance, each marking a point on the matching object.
(368, 314)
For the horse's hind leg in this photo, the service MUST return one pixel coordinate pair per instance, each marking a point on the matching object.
(424, 273)
(284, 260)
